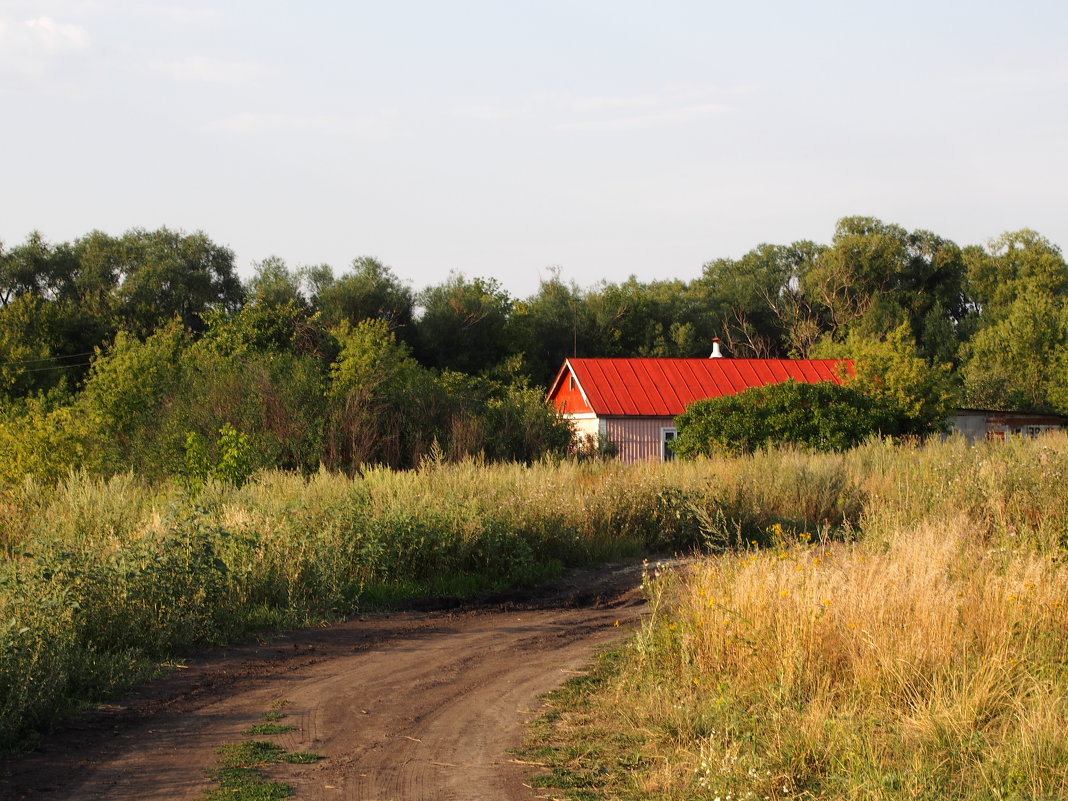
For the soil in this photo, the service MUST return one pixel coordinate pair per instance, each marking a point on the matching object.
(420, 704)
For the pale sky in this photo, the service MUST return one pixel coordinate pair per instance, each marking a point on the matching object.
(502, 138)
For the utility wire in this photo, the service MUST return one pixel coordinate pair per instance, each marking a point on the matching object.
(46, 359)
(56, 367)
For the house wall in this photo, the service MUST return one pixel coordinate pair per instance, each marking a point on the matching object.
(981, 424)
(637, 438)
(568, 399)
(586, 425)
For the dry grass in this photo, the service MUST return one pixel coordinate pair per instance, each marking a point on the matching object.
(927, 659)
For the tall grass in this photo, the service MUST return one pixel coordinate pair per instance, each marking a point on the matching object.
(103, 579)
(922, 655)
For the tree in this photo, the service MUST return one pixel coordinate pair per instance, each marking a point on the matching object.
(384, 406)
(1015, 363)
(1011, 265)
(370, 292)
(659, 318)
(547, 327)
(889, 369)
(168, 273)
(128, 388)
(464, 324)
(274, 284)
(757, 301)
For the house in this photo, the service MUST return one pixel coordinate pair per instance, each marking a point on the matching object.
(632, 403)
(977, 424)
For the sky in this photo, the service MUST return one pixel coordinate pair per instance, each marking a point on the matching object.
(507, 139)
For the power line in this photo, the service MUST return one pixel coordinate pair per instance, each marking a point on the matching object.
(56, 367)
(46, 359)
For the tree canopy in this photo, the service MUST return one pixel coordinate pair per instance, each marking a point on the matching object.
(121, 345)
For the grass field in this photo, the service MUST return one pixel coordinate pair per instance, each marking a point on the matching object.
(918, 652)
(885, 623)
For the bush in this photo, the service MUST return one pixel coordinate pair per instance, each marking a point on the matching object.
(822, 417)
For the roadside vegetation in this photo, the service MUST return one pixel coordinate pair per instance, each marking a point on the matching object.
(916, 646)
(104, 580)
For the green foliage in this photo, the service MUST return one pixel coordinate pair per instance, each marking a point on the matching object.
(26, 361)
(756, 299)
(463, 325)
(547, 327)
(234, 464)
(1017, 363)
(125, 393)
(917, 396)
(1012, 264)
(275, 285)
(383, 403)
(823, 417)
(521, 426)
(168, 274)
(370, 291)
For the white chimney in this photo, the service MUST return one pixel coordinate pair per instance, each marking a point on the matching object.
(715, 349)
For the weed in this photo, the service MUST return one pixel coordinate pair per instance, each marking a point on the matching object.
(262, 729)
(238, 774)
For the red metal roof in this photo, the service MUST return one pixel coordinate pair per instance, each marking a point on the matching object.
(665, 387)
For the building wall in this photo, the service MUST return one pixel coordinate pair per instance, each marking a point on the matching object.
(586, 425)
(568, 399)
(981, 424)
(637, 438)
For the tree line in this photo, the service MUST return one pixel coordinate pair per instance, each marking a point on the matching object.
(355, 366)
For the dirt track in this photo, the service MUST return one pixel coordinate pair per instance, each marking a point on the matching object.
(413, 705)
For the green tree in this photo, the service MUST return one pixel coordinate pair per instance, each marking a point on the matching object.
(274, 284)
(547, 327)
(464, 324)
(124, 397)
(370, 291)
(1015, 363)
(384, 406)
(889, 369)
(757, 302)
(168, 273)
(55, 306)
(1013, 264)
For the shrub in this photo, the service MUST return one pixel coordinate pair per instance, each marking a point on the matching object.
(822, 417)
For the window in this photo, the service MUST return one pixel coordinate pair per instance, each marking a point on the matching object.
(667, 435)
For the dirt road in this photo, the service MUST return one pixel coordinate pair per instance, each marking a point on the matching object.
(405, 707)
